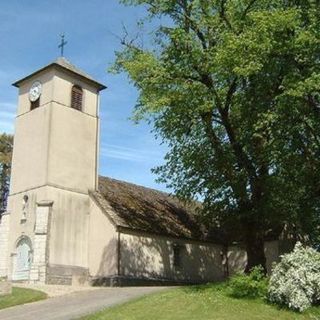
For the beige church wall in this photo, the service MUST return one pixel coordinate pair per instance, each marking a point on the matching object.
(102, 244)
(63, 83)
(20, 227)
(67, 234)
(152, 257)
(237, 257)
(46, 95)
(72, 158)
(69, 228)
(29, 162)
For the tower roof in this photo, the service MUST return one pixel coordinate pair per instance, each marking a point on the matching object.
(63, 63)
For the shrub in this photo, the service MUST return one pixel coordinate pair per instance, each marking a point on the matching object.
(295, 280)
(252, 285)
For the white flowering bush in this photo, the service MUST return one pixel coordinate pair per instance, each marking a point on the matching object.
(295, 280)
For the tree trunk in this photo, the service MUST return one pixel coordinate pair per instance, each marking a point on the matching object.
(254, 242)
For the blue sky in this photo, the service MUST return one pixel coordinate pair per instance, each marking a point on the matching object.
(29, 32)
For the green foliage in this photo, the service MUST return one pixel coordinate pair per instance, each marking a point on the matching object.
(232, 87)
(251, 285)
(6, 145)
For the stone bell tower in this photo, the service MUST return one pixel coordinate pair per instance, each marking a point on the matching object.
(55, 164)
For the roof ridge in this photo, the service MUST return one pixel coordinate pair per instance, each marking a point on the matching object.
(65, 64)
(142, 187)
(167, 194)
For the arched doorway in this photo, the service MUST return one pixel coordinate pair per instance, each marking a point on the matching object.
(22, 260)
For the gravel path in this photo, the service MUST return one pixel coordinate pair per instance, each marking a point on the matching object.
(76, 304)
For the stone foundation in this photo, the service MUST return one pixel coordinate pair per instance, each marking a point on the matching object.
(67, 275)
(38, 268)
(123, 281)
(5, 288)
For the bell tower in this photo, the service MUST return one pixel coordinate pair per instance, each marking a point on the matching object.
(56, 132)
(54, 165)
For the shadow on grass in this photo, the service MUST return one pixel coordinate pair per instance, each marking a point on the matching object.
(223, 289)
(203, 288)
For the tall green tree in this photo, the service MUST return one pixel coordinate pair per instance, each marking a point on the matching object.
(6, 145)
(233, 87)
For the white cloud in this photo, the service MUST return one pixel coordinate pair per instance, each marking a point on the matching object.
(128, 154)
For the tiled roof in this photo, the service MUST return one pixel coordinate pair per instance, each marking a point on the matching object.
(63, 63)
(138, 208)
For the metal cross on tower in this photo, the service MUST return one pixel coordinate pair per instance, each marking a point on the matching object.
(62, 44)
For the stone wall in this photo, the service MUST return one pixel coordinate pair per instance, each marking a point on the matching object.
(237, 256)
(5, 288)
(67, 275)
(127, 281)
(40, 257)
(4, 238)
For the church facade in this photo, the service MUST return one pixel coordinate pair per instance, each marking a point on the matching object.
(66, 225)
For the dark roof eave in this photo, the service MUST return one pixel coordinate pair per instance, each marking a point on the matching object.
(123, 229)
(100, 86)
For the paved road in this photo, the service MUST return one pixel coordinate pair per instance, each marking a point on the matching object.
(74, 305)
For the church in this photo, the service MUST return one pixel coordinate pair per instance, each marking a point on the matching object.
(65, 224)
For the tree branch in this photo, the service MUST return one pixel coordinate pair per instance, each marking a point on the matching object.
(222, 14)
(230, 93)
(313, 132)
(226, 168)
(243, 160)
(247, 9)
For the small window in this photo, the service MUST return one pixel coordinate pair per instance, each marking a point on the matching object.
(76, 98)
(25, 202)
(176, 255)
(35, 104)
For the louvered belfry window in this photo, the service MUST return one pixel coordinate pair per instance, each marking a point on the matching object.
(35, 104)
(76, 98)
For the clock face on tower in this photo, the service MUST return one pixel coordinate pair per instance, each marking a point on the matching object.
(35, 91)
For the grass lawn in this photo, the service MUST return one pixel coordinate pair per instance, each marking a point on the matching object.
(209, 302)
(21, 296)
